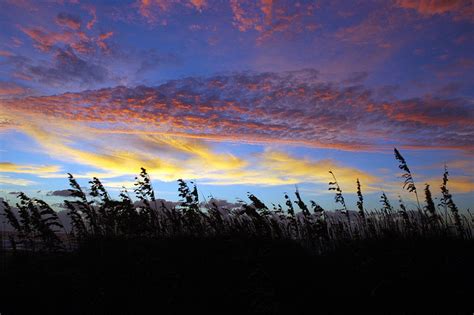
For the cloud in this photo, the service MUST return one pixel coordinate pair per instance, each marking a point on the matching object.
(66, 67)
(169, 157)
(8, 167)
(268, 17)
(60, 193)
(155, 10)
(145, 7)
(170, 129)
(224, 204)
(460, 9)
(277, 168)
(60, 144)
(72, 36)
(45, 40)
(243, 20)
(381, 29)
(286, 108)
(92, 11)
(457, 68)
(199, 4)
(356, 78)
(430, 111)
(9, 89)
(72, 54)
(69, 20)
(456, 184)
(283, 108)
(119, 184)
(5, 53)
(9, 181)
(101, 41)
(151, 60)
(7, 123)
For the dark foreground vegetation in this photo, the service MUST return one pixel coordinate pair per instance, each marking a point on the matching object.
(247, 276)
(124, 255)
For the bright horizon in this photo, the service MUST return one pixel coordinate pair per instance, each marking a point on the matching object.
(237, 96)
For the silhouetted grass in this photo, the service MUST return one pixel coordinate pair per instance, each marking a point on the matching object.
(97, 216)
(253, 259)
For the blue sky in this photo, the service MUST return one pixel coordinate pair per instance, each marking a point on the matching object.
(239, 96)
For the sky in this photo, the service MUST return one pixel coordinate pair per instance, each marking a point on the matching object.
(237, 96)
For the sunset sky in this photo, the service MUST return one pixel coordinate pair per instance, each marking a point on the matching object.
(239, 96)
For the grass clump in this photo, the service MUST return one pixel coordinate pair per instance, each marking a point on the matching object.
(96, 216)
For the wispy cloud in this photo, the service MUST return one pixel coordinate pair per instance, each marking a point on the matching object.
(458, 184)
(10, 181)
(8, 167)
(169, 158)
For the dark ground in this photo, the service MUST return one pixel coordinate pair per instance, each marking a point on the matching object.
(241, 276)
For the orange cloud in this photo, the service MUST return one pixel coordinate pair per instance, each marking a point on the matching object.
(267, 8)
(45, 40)
(72, 35)
(93, 13)
(438, 113)
(462, 9)
(243, 18)
(199, 4)
(5, 53)
(314, 114)
(172, 156)
(12, 89)
(102, 38)
(268, 17)
(153, 10)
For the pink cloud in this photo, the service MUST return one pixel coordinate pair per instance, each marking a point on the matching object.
(460, 9)
(93, 13)
(45, 40)
(101, 40)
(5, 53)
(154, 10)
(288, 107)
(8, 89)
(199, 4)
(268, 17)
(83, 43)
(69, 20)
